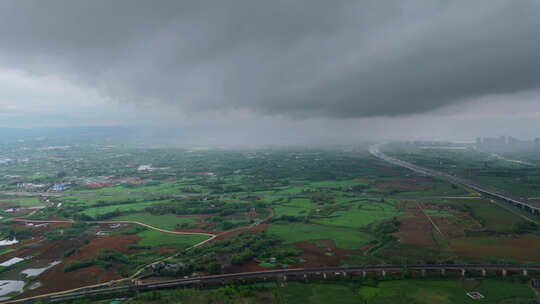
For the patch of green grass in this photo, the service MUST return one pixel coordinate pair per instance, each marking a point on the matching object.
(435, 212)
(447, 291)
(92, 199)
(367, 292)
(155, 238)
(267, 265)
(360, 214)
(436, 189)
(344, 184)
(295, 207)
(6, 250)
(499, 290)
(294, 190)
(28, 202)
(297, 232)
(318, 293)
(95, 211)
(492, 216)
(272, 198)
(169, 222)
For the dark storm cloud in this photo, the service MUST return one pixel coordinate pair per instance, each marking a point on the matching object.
(298, 58)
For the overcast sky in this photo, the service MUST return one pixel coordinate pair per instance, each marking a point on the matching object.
(274, 71)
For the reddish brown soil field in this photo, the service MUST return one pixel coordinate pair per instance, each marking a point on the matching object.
(415, 228)
(54, 225)
(117, 242)
(315, 254)
(166, 250)
(455, 226)
(55, 279)
(56, 249)
(27, 251)
(7, 203)
(522, 249)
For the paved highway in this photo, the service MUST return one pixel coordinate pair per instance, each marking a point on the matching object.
(532, 207)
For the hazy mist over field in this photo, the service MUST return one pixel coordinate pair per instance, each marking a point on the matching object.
(274, 72)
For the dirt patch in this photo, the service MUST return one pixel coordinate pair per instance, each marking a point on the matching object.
(522, 249)
(55, 250)
(63, 225)
(322, 253)
(456, 226)
(117, 242)
(161, 250)
(415, 228)
(55, 279)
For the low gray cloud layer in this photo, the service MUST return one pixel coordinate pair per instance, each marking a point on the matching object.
(332, 59)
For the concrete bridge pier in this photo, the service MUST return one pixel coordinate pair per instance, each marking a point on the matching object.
(525, 273)
(344, 274)
(383, 273)
(462, 272)
(324, 275)
(483, 272)
(504, 272)
(423, 271)
(363, 274)
(443, 271)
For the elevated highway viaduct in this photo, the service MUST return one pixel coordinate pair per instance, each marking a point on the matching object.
(284, 274)
(533, 208)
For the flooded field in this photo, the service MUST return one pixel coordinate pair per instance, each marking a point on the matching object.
(34, 272)
(7, 242)
(10, 288)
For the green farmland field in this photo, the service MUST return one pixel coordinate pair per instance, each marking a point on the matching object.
(343, 237)
(168, 222)
(94, 212)
(406, 292)
(155, 238)
(296, 207)
(29, 202)
(360, 214)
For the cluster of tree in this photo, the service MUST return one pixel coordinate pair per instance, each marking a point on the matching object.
(74, 231)
(14, 232)
(289, 218)
(201, 206)
(107, 259)
(524, 227)
(244, 247)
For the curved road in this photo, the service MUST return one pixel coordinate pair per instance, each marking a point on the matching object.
(107, 284)
(110, 283)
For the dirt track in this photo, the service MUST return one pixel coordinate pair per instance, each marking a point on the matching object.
(116, 281)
